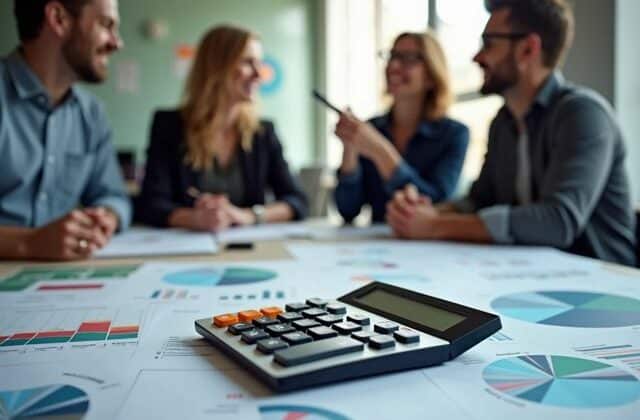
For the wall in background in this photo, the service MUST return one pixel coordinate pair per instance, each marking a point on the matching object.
(287, 28)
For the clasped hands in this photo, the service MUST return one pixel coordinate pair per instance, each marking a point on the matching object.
(75, 236)
(359, 137)
(214, 212)
(412, 215)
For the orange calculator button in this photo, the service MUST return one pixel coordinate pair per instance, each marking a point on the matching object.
(225, 320)
(271, 311)
(248, 316)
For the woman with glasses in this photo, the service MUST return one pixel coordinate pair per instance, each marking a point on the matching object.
(211, 161)
(413, 143)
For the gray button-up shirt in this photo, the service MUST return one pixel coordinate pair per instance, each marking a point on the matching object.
(53, 159)
(579, 188)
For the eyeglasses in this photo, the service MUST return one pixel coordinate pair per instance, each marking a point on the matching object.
(405, 58)
(510, 36)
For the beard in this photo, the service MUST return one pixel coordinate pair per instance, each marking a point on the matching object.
(504, 76)
(79, 58)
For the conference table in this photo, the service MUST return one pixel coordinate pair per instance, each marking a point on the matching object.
(114, 337)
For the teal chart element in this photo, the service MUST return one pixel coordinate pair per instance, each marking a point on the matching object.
(570, 309)
(47, 402)
(562, 381)
(218, 276)
(298, 412)
(271, 76)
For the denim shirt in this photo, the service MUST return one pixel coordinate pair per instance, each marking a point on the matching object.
(432, 162)
(53, 159)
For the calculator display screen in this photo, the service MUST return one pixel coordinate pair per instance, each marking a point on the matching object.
(418, 312)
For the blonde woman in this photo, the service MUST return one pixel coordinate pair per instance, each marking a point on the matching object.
(414, 143)
(210, 163)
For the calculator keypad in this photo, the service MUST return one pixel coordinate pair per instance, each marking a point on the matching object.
(311, 331)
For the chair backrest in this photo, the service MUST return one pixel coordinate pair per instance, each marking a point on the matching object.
(313, 180)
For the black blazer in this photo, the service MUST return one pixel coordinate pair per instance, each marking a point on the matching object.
(167, 177)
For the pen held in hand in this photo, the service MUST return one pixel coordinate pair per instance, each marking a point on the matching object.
(325, 101)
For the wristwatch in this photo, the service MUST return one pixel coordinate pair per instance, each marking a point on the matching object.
(258, 213)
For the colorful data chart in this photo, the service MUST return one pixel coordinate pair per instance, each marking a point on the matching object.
(172, 294)
(562, 381)
(250, 296)
(218, 276)
(291, 412)
(82, 278)
(625, 353)
(69, 326)
(570, 309)
(47, 402)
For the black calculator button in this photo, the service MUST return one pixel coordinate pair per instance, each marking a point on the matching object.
(381, 342)
(406, 336)
(384, 327)
(289, 316)
(359, 319)
(305, 324)
(296, 307)
(236, 329)
(264, 322)
(269, 345)
(329, 319)
(296, 338)
(363, 336)
(336, 308)
(279, 329)
(317, 350)
(346, 327)
(317, 302)
(320, 333)
(251, 336)
(313, 313)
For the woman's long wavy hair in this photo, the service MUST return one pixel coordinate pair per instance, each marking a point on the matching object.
(438, 100)
(208, 94)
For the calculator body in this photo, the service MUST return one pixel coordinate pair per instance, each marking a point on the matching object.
(376, 329)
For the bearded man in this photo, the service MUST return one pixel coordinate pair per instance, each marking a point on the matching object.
(61, 191)
(554, 172)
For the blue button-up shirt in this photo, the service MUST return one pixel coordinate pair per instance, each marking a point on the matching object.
(53, 158)
(432, 162)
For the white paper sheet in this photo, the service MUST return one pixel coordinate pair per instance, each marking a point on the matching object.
(137, 242)
(266, 232)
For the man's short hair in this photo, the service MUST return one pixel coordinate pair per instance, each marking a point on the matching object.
(552, 20)
(30, 15)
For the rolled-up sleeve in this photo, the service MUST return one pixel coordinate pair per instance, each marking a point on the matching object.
(105, 187)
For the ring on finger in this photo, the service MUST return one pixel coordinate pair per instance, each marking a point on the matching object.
(83, 244)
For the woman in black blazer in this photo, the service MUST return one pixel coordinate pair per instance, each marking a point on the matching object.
(211, 162)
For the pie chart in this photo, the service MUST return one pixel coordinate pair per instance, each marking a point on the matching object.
(570, 309)
(562, 381)
(47, 402)
(298, 412)
(218, 276)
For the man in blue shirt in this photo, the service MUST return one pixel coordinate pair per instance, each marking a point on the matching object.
(61, 192)
(554, 173)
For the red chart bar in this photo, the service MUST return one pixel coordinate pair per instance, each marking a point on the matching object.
(124, 330)
(23, 336)
(49, 334)
(54, 287)
(95, 327)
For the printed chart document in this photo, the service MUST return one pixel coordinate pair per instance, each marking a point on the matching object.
(138, 242)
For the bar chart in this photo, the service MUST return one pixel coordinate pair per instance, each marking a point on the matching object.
(624, 353)
(54, 279)
(24, 328)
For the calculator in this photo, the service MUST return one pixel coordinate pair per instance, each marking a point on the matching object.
(375, 329)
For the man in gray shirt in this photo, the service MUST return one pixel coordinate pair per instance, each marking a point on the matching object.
(61, 191)
(554, 170)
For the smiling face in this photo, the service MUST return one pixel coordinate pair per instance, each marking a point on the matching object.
(497, 56)
(406, 72)
(246, 80)
(93, 38)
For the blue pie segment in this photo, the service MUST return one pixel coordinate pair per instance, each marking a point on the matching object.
(570, 309)
(562, 381)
